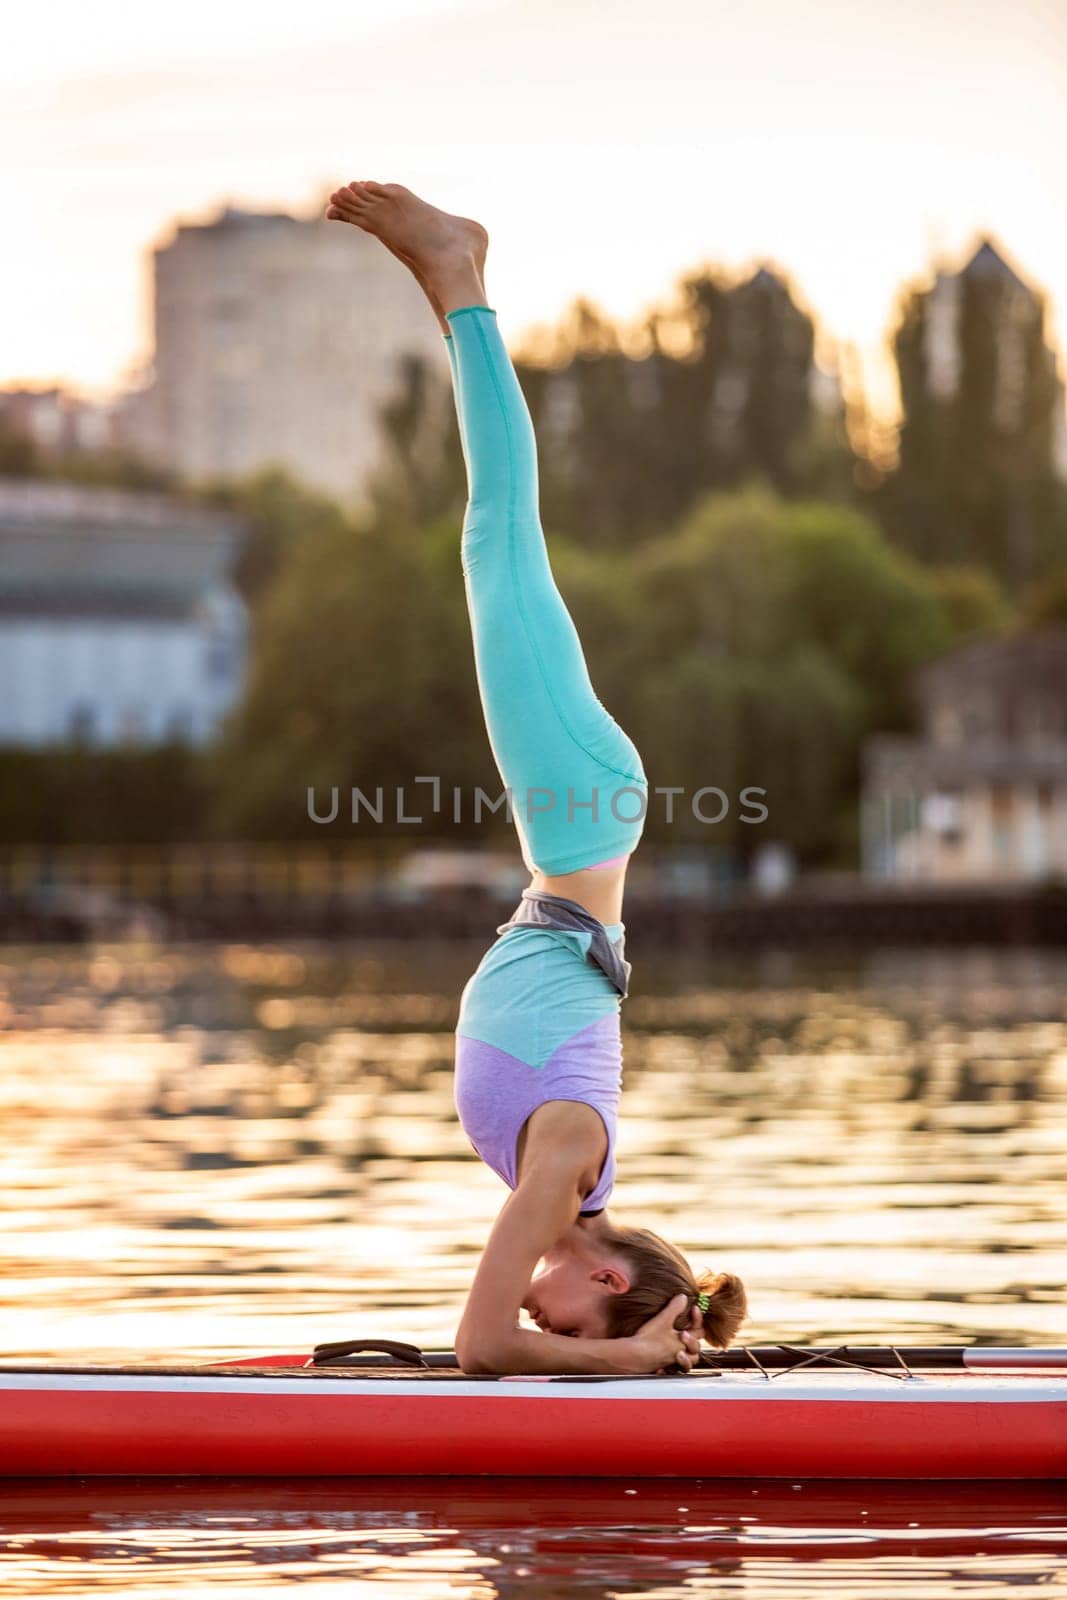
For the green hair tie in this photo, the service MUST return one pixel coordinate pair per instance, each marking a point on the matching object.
(703, 1301)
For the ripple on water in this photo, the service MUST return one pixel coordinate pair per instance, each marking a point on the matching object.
(221, 1150)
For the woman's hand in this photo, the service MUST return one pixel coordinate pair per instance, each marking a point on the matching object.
(659, 1346)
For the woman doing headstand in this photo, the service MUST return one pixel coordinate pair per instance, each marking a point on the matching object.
(538, 1049)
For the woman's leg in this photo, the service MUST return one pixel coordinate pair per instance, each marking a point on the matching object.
(450, 346)
(577, 783)
(577, 786)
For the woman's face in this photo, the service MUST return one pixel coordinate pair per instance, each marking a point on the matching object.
(569, 1298)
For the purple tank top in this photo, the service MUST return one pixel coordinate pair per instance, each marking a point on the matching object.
(495, 1093)
(539, 1021)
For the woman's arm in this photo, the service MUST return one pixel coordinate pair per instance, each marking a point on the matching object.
(489, 1339)
(538, 1212)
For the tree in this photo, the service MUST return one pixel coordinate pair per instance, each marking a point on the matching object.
(1044, 602)
(726, 392)
(421, 474)
(753, 647)
(19, 454)
(759, 644)
(595, 413)
(751, 374)
(361, 676)
(972, 600)
(279, 513)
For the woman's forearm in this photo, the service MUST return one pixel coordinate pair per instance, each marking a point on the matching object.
(525, 1351)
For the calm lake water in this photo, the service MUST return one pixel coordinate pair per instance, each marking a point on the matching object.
(225, 1150)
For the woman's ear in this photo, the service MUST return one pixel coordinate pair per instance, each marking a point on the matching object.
(613, 1279)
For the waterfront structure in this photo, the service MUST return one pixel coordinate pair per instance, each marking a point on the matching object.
(119, 620)
(981, 794)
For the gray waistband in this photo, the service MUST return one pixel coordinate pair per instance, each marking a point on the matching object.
(554, 911)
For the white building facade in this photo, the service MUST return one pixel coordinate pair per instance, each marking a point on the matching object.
(119, 622)
(981, 795)
(277, 341)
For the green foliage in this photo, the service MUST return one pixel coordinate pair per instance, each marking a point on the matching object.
(973, 602)
(742, 616)
(722, 398)
(867, 608)
(22, 457)
(75, 795)
(753, 647)
(111, 469)
(763, 640)
(1045, 602)
(421, 474)
(279, 514)
(19, 455)
(361, 675)
(629, 442)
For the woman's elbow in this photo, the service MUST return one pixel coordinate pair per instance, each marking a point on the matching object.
(478, 1356)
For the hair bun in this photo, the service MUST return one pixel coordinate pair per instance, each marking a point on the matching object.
(727, 1306)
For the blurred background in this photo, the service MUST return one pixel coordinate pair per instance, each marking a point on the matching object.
(785, 286)
(786, 303)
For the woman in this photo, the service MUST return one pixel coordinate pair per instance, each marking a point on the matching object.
(538, 1051)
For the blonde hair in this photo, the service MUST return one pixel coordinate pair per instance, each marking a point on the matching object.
(659, 1272)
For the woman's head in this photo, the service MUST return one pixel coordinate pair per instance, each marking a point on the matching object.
(605, 1282)
(657, 1272)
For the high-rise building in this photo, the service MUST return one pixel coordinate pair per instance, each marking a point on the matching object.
(982, 436)
(277, 341)
(1019, 318)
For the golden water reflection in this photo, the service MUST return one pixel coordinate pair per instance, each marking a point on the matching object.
(219, 1149)
(472, 1539)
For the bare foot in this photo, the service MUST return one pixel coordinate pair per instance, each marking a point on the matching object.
(445, 252)
(338, 213)
(420, 278)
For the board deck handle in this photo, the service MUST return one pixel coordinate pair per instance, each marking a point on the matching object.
(334, 1355)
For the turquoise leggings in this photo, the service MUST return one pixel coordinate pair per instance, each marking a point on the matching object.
(577, 789)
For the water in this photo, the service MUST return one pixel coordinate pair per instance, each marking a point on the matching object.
(470, 1540)
(211, 1151)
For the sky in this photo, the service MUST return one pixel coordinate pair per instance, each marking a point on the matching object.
(609, 146)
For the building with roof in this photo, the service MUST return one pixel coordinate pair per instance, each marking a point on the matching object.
(981, 794)
(119, 620)
(277, 341)
(941, 332)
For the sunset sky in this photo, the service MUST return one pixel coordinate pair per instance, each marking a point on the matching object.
(607, 147)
